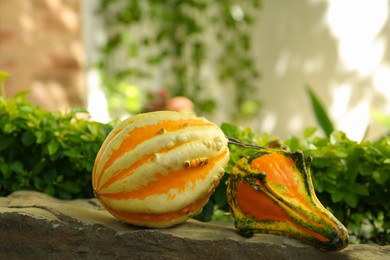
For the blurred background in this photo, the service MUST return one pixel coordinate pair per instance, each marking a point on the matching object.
(245, 62)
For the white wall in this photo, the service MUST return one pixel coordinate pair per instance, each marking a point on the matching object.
(340, 47)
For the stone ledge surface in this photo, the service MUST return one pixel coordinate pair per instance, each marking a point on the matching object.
(36, 226)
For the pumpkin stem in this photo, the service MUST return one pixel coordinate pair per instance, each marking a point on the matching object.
(235, 141)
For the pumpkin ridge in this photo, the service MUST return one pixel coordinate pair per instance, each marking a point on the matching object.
(158, 218)
(106, 142)
(128, 171)
(130, 143)
(164, 183)
(145, 132)
(123, 173)
(132, 122)
(113, 134)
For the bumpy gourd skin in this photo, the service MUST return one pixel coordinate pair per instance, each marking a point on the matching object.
(159, 169)
(272, 192)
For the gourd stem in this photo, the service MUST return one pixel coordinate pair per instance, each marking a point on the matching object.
(235, 141)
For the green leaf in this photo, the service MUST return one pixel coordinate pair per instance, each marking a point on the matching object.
(26, 108)
(71, 187)
(4, 169)
(52, 147)
(94, 129)
(41, 137)
(17, 167)
(5, 142)
(79, 110)
(309, 132)
(39, 167)
(294, 143)
(28, 138)
(230, 130)
(9, 128)
(59, 178)
(365, 169)
(337, 196)
(72, 153)
(381, 177)
(320, 112)
(351, 199)
(49, 190)
(50, 174)
(358, 189)
(86, 138)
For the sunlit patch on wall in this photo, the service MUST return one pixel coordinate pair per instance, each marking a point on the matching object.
(341, 99)
(295, 123)
(314, 64)
(269, 122)
(350, 117)
(282, 63)
(356, 24)
(97, 102)
(355, 121)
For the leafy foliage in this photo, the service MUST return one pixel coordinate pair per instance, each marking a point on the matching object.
(49, 152)
(183, 39)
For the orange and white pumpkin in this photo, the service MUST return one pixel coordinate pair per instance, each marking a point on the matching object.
(159, 169)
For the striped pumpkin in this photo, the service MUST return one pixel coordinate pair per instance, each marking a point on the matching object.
(158, 169)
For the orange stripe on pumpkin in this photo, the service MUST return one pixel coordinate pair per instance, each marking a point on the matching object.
(129, 170)
(111, 136)
(157, 218)
(164, 183)
(140, 134)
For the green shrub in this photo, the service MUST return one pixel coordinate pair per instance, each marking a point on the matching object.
(45, 151)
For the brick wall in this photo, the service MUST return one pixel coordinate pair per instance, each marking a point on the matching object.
(41, 47)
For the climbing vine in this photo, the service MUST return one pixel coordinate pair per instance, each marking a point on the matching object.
(177, 45)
